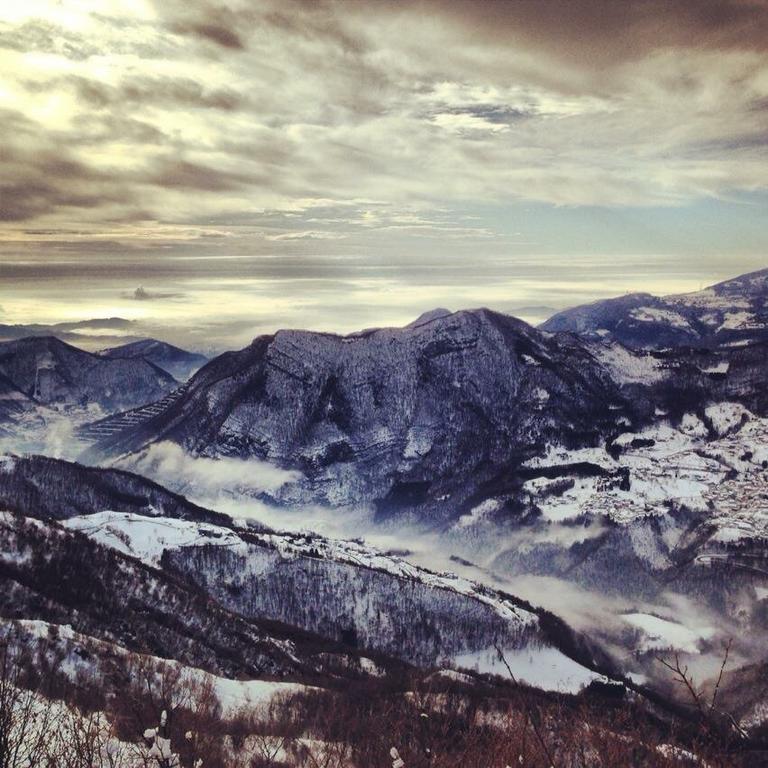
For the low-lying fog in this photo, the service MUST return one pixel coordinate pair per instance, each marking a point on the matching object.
(229, 485)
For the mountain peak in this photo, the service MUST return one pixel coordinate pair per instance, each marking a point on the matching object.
(179, 363)
(428, 317)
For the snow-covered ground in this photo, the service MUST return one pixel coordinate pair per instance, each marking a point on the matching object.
(724, 476)
(542, 667)
(147, 537)
(628, 367)
(232, 694)
(658, 315)
(663, 634)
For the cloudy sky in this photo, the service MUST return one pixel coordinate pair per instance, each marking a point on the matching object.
(216, 170)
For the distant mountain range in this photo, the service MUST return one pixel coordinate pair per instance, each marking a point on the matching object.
(115, 337)
(88, 334)
(731, 312)
(178, 362)
(49, 371)
(432, 417)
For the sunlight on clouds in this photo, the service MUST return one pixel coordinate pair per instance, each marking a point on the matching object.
(73, 14)
(401, 156)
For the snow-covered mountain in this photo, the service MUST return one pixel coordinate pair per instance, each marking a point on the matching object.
(404, 417)
(621, 487)
(665, 510)
(84, 334)
(177, 362)
(731, 312)
(49, 371)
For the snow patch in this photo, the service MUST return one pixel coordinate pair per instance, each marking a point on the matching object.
(734, 321)
(692, 425)
(478, 513)
(661, 634)
(725, 417)
(543, 667)
(657, 315)
(148, 537)
(627, 367)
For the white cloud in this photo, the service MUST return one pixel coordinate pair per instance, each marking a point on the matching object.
(202, 478)
(346, 105)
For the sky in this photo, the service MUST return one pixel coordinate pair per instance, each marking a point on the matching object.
(211, 171)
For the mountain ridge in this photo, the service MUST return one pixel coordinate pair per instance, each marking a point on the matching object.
(732, 311)
(48, 370)
(407, 404)
(179, 363)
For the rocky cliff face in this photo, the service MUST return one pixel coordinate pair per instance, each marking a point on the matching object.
(401, 417)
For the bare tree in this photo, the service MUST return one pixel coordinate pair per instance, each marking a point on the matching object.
(178, 710)
(85, 740)
(532, 714)
(718, 725)
(26, 716)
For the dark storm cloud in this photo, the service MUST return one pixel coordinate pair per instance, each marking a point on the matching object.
(210, 22)
(96, 128)
(24, 200)
(316, 20)
(214, 32)
(175, 91)
(591, 32)
(37, 183)
(598, 30)
(39, 176)
(229, 25)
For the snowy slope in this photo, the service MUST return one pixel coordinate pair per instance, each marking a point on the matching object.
(149, 537)
(78, 654)
(724, 476)
(543, 667)
(659, 634)
(340, 589)
(58, 575)
(733, 311)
